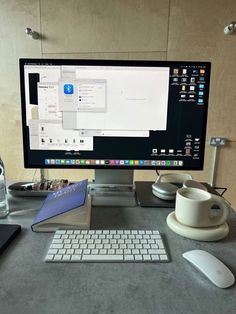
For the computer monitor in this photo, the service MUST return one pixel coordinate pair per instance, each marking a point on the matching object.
(114, 114)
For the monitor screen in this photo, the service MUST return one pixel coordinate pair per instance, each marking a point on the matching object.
(114, 114)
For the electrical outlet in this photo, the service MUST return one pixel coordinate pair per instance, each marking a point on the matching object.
(217, 141)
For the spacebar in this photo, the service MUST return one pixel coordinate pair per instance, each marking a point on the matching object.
(102, 258)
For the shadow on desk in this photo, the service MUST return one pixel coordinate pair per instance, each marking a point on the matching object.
(24, 206)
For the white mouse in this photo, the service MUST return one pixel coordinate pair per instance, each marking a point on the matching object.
(211, 267)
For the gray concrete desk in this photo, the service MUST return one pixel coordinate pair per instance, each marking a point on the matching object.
(29, 285)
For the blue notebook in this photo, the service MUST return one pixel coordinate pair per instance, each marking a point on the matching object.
(68, 207)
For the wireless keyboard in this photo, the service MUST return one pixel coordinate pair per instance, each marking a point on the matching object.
(107, 246)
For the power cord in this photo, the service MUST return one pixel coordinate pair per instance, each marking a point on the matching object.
(223, 190)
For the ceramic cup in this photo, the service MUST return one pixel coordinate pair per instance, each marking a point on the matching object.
(194, 184)
(194, 208)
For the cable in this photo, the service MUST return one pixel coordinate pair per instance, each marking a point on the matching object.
(157, 172)
(34, 175)
(220, 188)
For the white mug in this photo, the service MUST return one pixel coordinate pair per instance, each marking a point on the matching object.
(193, 208)
(194, 184)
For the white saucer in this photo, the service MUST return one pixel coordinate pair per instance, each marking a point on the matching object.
(202, 234)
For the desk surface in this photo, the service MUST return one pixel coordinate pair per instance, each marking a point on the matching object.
(29, 285)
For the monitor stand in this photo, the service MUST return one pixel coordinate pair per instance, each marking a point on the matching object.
(113, 187)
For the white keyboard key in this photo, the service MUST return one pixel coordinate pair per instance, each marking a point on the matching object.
(107, 246)
(105, 241)
(153, 251)
(78, 252)
(160, 244)
(129, 257)
(102, 258)
(77, 232)
(163, 257)
(49, 257)
(138, 257)
(154, 246)
(58, 257)
(147, 257)
(70, 251)
(127, 252)
(67, 246)
(161, 251)
(144, 241)
(97, 241)
(66, 257)
(155, 236)
(102, 252)
(52, 251)
(155, 257)
(61, 251)
(91, 231)
(83, 246)
(60, 232)
(144, 251)
(75, 258)
(91, 246)
(119, 252)
(130, 246)
(98, 246)
(56, 246)
(75, 246)
(87, 252)
(114, 246)
(57, 236)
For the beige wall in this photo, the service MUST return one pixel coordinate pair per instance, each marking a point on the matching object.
(122, 29)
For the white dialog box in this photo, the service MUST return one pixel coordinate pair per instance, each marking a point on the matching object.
(91, 95)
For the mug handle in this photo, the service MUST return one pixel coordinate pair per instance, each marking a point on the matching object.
(224, 210)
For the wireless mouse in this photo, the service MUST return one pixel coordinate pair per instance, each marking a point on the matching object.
(217, 272)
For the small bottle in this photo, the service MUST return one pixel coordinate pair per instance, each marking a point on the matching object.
(4, 208)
